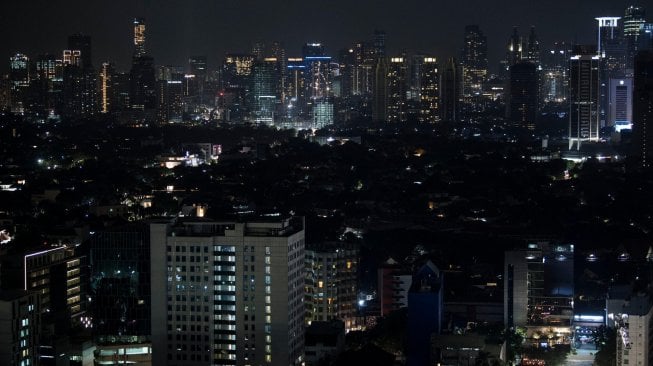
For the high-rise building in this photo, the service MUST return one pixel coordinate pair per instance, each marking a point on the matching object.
(295, 89)
(612, 55)
(523, 99)
(49, 81)
(19, 76)
(332, 282)
(121, 301)
(258, 50)
(633, 323)
(106, 87)
(633, 20)
(450, 92)
(539, 291)
(643, 107)
(533, 48)
(514, 52)
(266, 90)
(555, 80)
(20, 316)
(474, 66)
(584, 88)
(620, 110)
(379, 43)
(170, 106)
(394, 281)
(228, 293)
(139, 37)
(142, 93)
(429, 90)
(380, 93)
(82, 43)
(397, 84)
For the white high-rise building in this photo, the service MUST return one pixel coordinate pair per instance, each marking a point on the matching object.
(228, 293)
(634, 329)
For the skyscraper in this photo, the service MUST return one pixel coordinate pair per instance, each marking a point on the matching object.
(450, 91)
(380, 94)
(429, 90)
(19, 77)
(397, 83)
(643, 107)
(474, 65)
(620, 113)
(612, 61)
(139, 37)
(584, 96)
(228, 293)
(533, 48)
(514, 52)
(82, 43)
(424, 313)
(106, 87)
(634, 19)
(523, 105)
(266, 90)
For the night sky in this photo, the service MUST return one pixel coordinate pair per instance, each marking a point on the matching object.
(179, 28)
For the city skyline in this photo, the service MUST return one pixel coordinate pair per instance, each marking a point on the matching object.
(176, 31)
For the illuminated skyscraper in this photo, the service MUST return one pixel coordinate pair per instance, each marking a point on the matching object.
(139, 37)
(474, 66)
(295, 89)
(514, 52)
(80, 93)
(397, 84)
(533, 48)
(380, 94)
(612, 61)
(266, 91)
(620, 112)
(555, 81)
(106, 86)
(82, 43)
(584, 96)
(142, 93)
(19, 76)
(429, 90)
(634, 19)
(643, 107)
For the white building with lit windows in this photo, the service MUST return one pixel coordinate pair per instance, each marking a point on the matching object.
(228, 293)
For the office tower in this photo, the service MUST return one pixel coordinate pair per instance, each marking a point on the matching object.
(49, 80)
(620, 113)
(555, 81)
(5, 92)
(450, 91)
(139, 37)
(19, 76)
(646, 37)
(539, 291)
(228, 293)
(20, 317)
(397, 83)
(514, 53)
(332, 282)
(523, 100)
(474, 66)
(393, 281)
(142, 92)
(633, 20)
(643, 107)
(120, 288)
(347, 61)
(313, 49)
(277, 51)
(380, 94)
(612, 61)
(57, 275)
(197, 66)
(258, 50)
(319, 79)
(295, 89)
(266, 77)
(237, 81)
(533, 48)
(170, 105)
(424, 313)
(584, 91)
(429, 91)
(106, 87)
(82, 43)
(322, 112)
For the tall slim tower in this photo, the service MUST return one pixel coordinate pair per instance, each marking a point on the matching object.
(584, 96)
(139, 37)
(524, 97)
(612, 60)
(474, 64)
(515, 50)
(643, 107)
(429, 91)
(533, 47)
(450, 91)
(634, 19)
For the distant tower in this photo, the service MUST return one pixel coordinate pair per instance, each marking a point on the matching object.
(380, 95)
(474, 64)
(524, 97)
(139, 37)
(379, 43)
(643, 107)
(514, 53)
(634, 19)
(397, 83)
(450, 91)
(612, 60)
(258, 50)
(81, 43)
(533, 48)
(429, 90)
(584, 96)
(106, 86)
